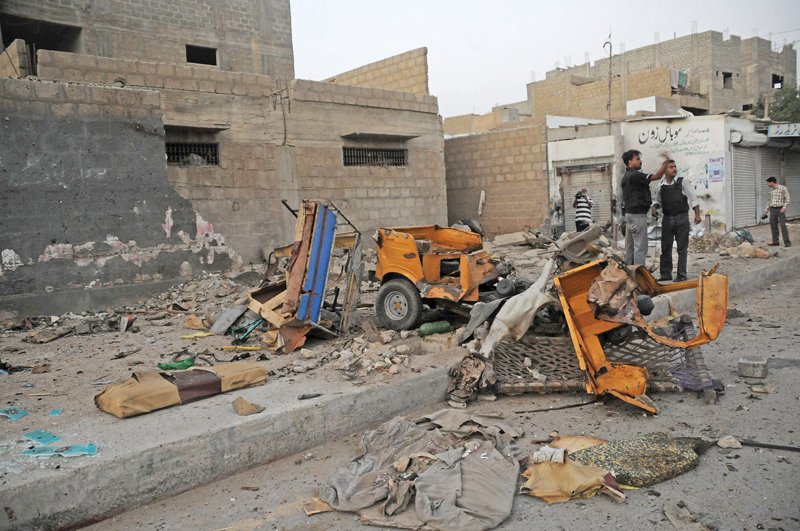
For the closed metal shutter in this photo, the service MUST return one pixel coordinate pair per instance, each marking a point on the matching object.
(598, 185)
(771, 166)
(745, 209)
(791, 172)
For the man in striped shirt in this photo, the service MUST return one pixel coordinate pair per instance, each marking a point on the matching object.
(583, 210)
(778, 201)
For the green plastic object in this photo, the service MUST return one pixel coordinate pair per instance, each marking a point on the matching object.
(177, 365)
(436, 327)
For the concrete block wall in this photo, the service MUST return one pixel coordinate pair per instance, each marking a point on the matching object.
(287, 147)
(250, 35)
(559, 96)
(84, 193)
(510, 167)
(405, 72)
(371, 196)
(14, 60)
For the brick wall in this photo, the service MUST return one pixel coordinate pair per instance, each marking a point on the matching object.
(14, 60)
(510, 166)
(406, 72)
(251, 35)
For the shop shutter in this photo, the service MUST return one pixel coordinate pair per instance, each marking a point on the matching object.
(791, 172)
(745, 208)
(598, 185)
(771, 166)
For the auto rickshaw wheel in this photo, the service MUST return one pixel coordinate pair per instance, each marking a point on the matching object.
(398, 304)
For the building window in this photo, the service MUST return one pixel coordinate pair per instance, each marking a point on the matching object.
(39, 35)
(201, 55)
(192, 154)
(747, 107)
(777, 81)
(353, 156)
(727, 80)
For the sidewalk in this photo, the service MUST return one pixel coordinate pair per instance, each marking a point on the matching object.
(165, 452)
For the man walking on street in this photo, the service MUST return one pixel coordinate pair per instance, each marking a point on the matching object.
(675, 196)
(778, 201)
(635, 205)
(583, 210)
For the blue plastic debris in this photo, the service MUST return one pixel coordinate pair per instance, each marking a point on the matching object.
(76, 450)
(14, 413)
(3, 372)
(55, 412)
(42, 438)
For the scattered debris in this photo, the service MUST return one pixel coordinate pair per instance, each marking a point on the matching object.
(243, 407)
(46, 336)
(55, 412)
(561, 482)
(316, 506)
(682, 518)
(41, 437)
(308, 396)
(40, 368)
(193, 322)
(177, 365)
(125, 353)
(644, 460)
(750, 367)
(76, 450)
(763, 389)
(13, 413)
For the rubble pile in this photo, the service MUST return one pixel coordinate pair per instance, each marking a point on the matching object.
(736, 244)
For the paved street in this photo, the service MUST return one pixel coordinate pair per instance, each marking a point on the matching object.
(743, 489)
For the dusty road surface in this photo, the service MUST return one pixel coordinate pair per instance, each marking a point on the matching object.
(748, 488)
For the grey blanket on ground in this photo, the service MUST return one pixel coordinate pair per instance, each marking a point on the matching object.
(455, 484)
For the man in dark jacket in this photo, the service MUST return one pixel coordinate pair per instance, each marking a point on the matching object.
(675, 196)
(635, 205)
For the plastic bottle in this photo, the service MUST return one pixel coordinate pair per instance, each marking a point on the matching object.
(436, 327)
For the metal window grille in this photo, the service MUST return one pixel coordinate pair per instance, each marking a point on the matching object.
(374, 157)
(192, 154)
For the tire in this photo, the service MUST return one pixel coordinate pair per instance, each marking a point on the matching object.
(398, 304)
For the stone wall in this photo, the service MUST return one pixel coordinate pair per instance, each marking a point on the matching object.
(84, 193)
(510, 167)
(406, 72)
(250, 35)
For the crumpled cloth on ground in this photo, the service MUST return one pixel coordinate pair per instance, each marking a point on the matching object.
(560, 482)
(454, 484)
(643, 460)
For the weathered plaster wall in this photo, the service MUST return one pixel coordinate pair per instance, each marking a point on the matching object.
(84, 194)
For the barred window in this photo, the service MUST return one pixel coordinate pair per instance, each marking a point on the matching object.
(353, 156)
(192, 154)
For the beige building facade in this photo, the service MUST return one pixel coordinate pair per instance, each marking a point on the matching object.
(698, 74)
(208, 157)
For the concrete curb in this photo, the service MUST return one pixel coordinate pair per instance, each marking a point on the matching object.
(100, 489)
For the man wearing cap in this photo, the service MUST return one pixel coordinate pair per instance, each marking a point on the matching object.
(636, 201)
(776, 206)
(675, 197)
(583, 210)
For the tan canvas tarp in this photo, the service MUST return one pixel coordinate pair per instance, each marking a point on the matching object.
(151, 390)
